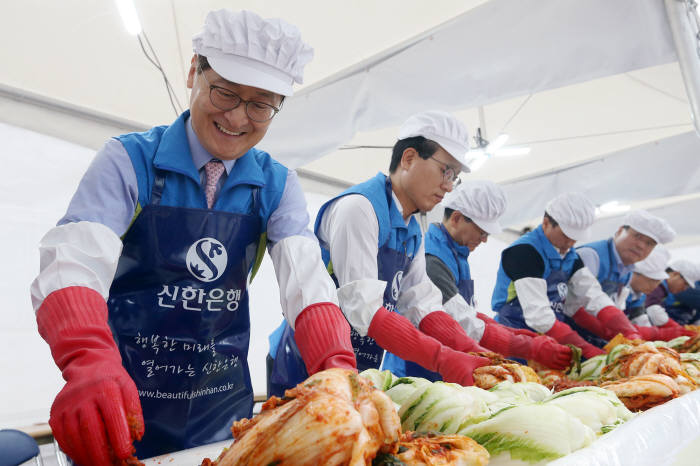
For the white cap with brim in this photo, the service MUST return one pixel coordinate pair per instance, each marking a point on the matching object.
(480, 200)
(247, 49)
(442, 128)
(650, 225)
(688, 270)
(654, 266)
(574, 213)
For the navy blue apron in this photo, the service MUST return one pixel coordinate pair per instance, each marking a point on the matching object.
(178, 308)
(288, 368)
(678, 311)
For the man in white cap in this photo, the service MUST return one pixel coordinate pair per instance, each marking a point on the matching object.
(652, 322)
(612, 261)
(682, 275)
(540, 270)
(374, 248)
(471, 215)
(142, 294)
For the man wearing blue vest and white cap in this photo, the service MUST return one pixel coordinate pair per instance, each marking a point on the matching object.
(374, 248)
(540, 273)
(471, 214)
(142, 291)
(683, 275)
(653, 321)
(612, 260)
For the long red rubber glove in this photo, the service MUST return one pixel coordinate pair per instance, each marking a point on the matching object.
(592, 324)
(566, 335)
(396, 334)
(97, 415)
(322, 335)
(615, 321)
(665, 332)
(542, 349)
(441, 326)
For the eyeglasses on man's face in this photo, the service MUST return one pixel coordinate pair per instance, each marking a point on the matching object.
(227, 100)
(482, 234)
(449, 174)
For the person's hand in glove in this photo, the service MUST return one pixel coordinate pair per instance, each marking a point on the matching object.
(567, 336)
(322, 335)
(97, 415)
(396, 334)
(615, 321)
(591, 323)
(541, 348)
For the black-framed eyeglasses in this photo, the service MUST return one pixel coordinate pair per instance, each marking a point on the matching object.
(227, 100)
(449, 174)
(482, 234)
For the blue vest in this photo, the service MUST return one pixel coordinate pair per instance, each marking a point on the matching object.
(167, 148)
(609, 277)
(440, 244)
(634, 306)
(504, 291)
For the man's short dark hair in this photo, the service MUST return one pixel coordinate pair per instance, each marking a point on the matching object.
(448, 213)
(551, 220)
(425, 148)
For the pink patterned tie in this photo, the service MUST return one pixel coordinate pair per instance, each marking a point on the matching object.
(214, 169)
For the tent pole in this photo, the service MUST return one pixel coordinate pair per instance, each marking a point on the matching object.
(686, 38)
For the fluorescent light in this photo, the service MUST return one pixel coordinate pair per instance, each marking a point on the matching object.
(127, 10)
(508, 151)
(613, 207)
(497, 143)
(477, 161)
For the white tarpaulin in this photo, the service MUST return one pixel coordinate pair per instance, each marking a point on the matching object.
(663, 168)
(537, 45)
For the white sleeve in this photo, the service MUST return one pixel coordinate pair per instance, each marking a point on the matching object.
(590, 259)
(537, 310)
(350, 230)
(418, 296)
(302, 277)
(584, 290)
(465, 315)
(76, 254)
(657, 315)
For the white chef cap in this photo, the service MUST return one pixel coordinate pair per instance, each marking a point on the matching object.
(574, 213)
(654, 227)
(246, 49)
(442, 128)
(654, 266)
(688, 270)
(480, 200)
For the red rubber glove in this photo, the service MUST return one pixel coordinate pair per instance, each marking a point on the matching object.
(615, 321)
(441, 326)
(542, 349)
(566, 335)
(97, 415)
(591, 323)
(396, 334)
(322, 335)
(665, 332)
(517, 331)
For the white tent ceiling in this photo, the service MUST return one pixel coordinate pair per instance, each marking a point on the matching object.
(573, 80)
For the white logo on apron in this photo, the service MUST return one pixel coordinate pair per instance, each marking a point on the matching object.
(562, 289)
(396, 285)
(206, 259)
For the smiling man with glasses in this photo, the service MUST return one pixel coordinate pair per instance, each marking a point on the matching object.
(156, 250)
(374, 248)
